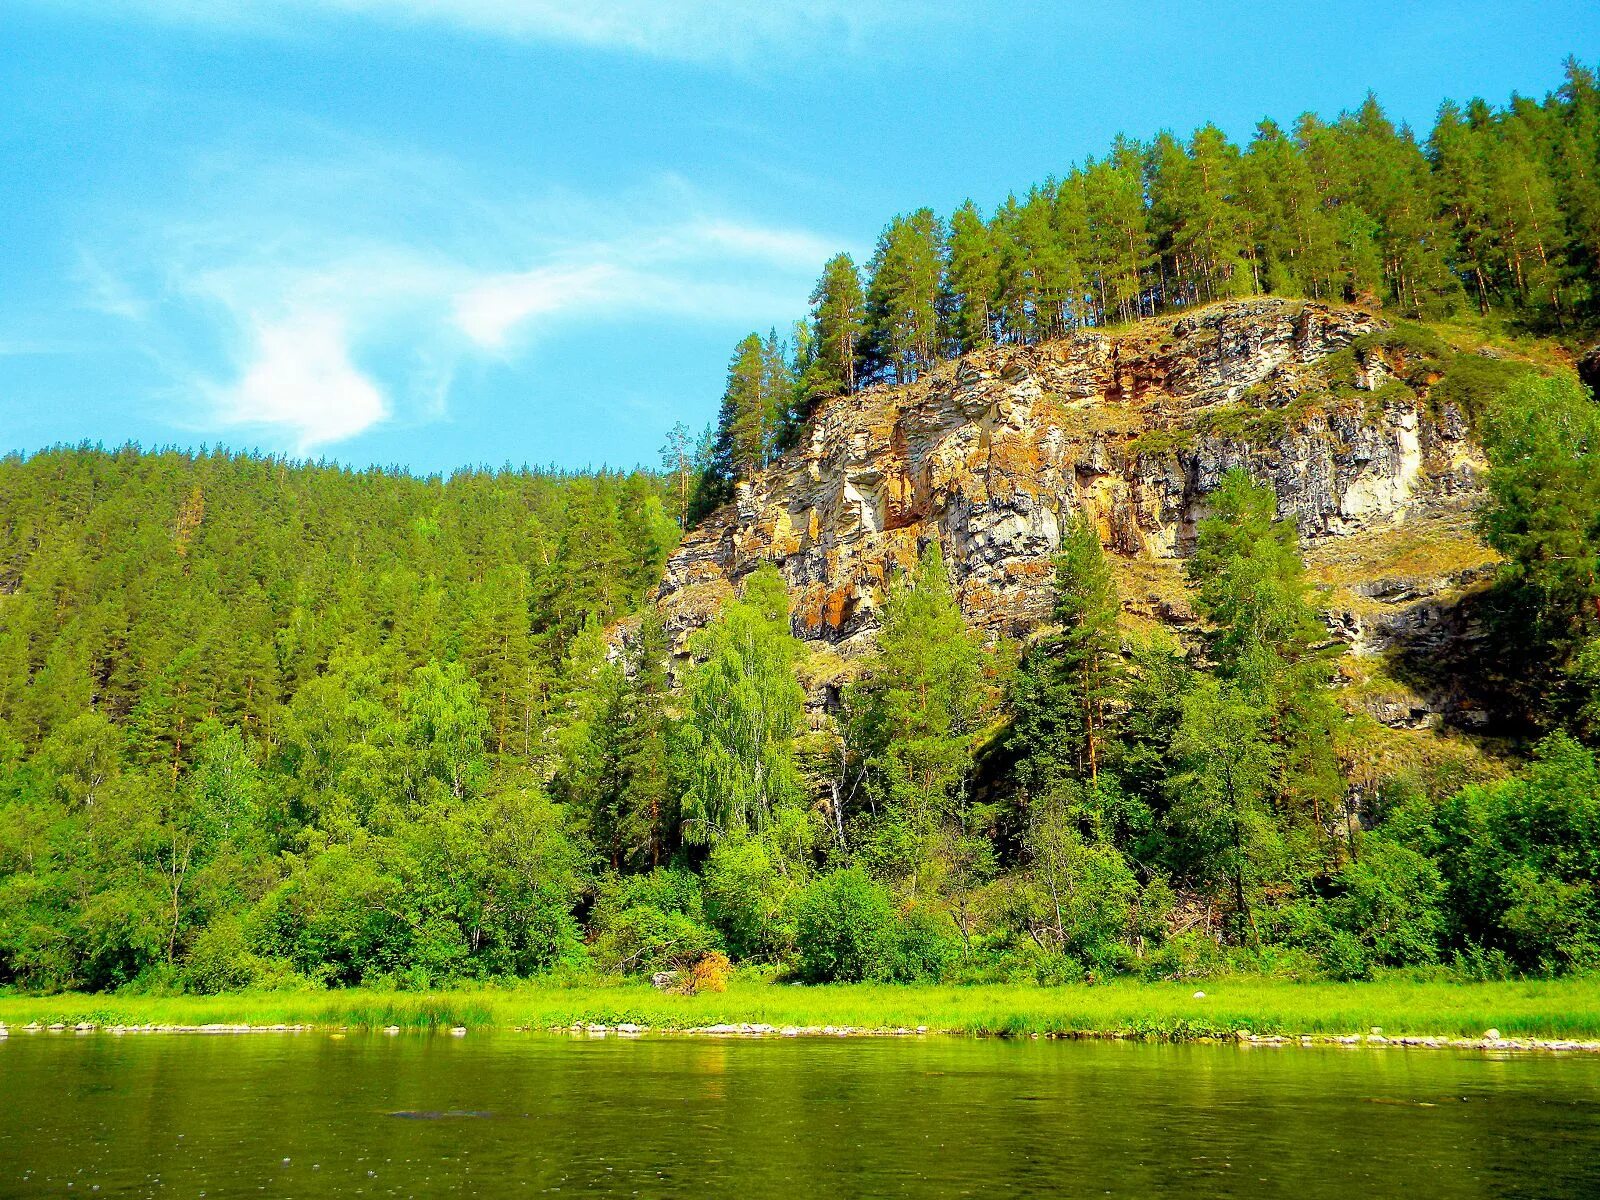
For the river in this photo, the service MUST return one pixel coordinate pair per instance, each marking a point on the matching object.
(508, 1115)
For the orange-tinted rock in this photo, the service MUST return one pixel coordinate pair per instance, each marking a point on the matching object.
(1134, 428)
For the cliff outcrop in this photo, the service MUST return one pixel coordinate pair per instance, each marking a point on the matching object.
(1133, 427)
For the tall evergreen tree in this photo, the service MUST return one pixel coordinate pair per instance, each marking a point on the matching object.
(971, 279)
(1064, 694)
(1267, 641)
(650, 821)
(838, 311)
(913, 716)
(1113, 208)
(901, 332)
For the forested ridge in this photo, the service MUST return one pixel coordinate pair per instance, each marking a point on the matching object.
(267, 723)
(1495, 212)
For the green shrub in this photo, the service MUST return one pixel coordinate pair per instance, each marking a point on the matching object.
(745, 898)
(1385, 909)
(222, 960)
(1344, 956)
(334, 918)
(845, 928)
(1416, 344)
(1391, 901)
(648, 923)
(925, 947)
(1191, 954)
(1473, 384)
(1520, 860)
(1026, 962)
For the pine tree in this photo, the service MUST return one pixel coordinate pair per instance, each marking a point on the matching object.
(678, 460)
(497, 649)
(1577, 169)
(1267, 643)
(1393, 186)
(1068, 685)
(838, 310)
(913, 716)
(779, 396)
(1113, 209)
(647, 791)
(971, 279)
(1527, 221)
(901, 330)
(1351, 262)
(745, 424)
(592, 745)
(1456, 150)
(1204, 225)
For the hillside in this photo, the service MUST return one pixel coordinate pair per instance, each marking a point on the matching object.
(1189, 567)
(1362, 426)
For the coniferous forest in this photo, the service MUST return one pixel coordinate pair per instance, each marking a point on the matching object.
(267, 723)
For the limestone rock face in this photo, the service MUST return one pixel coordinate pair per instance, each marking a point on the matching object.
(990, 453)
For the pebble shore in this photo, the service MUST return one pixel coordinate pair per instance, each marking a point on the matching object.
(1490, 1040)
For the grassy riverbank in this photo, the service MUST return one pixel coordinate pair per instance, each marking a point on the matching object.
(1535, 1009)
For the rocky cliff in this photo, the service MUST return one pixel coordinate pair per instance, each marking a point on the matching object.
(1133, 427)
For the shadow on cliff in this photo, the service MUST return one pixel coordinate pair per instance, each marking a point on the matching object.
(1475, 665)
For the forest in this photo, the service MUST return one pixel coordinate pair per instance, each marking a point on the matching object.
(272, 724)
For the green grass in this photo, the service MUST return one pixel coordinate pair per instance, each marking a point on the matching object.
(1534, 1009)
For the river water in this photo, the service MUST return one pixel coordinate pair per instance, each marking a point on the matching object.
(509, 1115)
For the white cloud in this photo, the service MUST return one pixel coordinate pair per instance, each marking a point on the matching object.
(302, 301)
(704, 30)
(489, 309)
(695, 269)
(300, 381)
(781, 247)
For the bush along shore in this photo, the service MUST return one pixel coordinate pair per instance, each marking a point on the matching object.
(1550, 1015)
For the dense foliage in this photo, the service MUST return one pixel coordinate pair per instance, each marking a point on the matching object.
(268, 724)
(263, 718)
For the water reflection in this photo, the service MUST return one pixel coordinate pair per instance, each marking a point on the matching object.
(496, 1115)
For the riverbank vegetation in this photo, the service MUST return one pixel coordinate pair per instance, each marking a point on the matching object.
(267, 725)
(1544, 1009)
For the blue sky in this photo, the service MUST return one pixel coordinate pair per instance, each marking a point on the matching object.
(449, 232)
